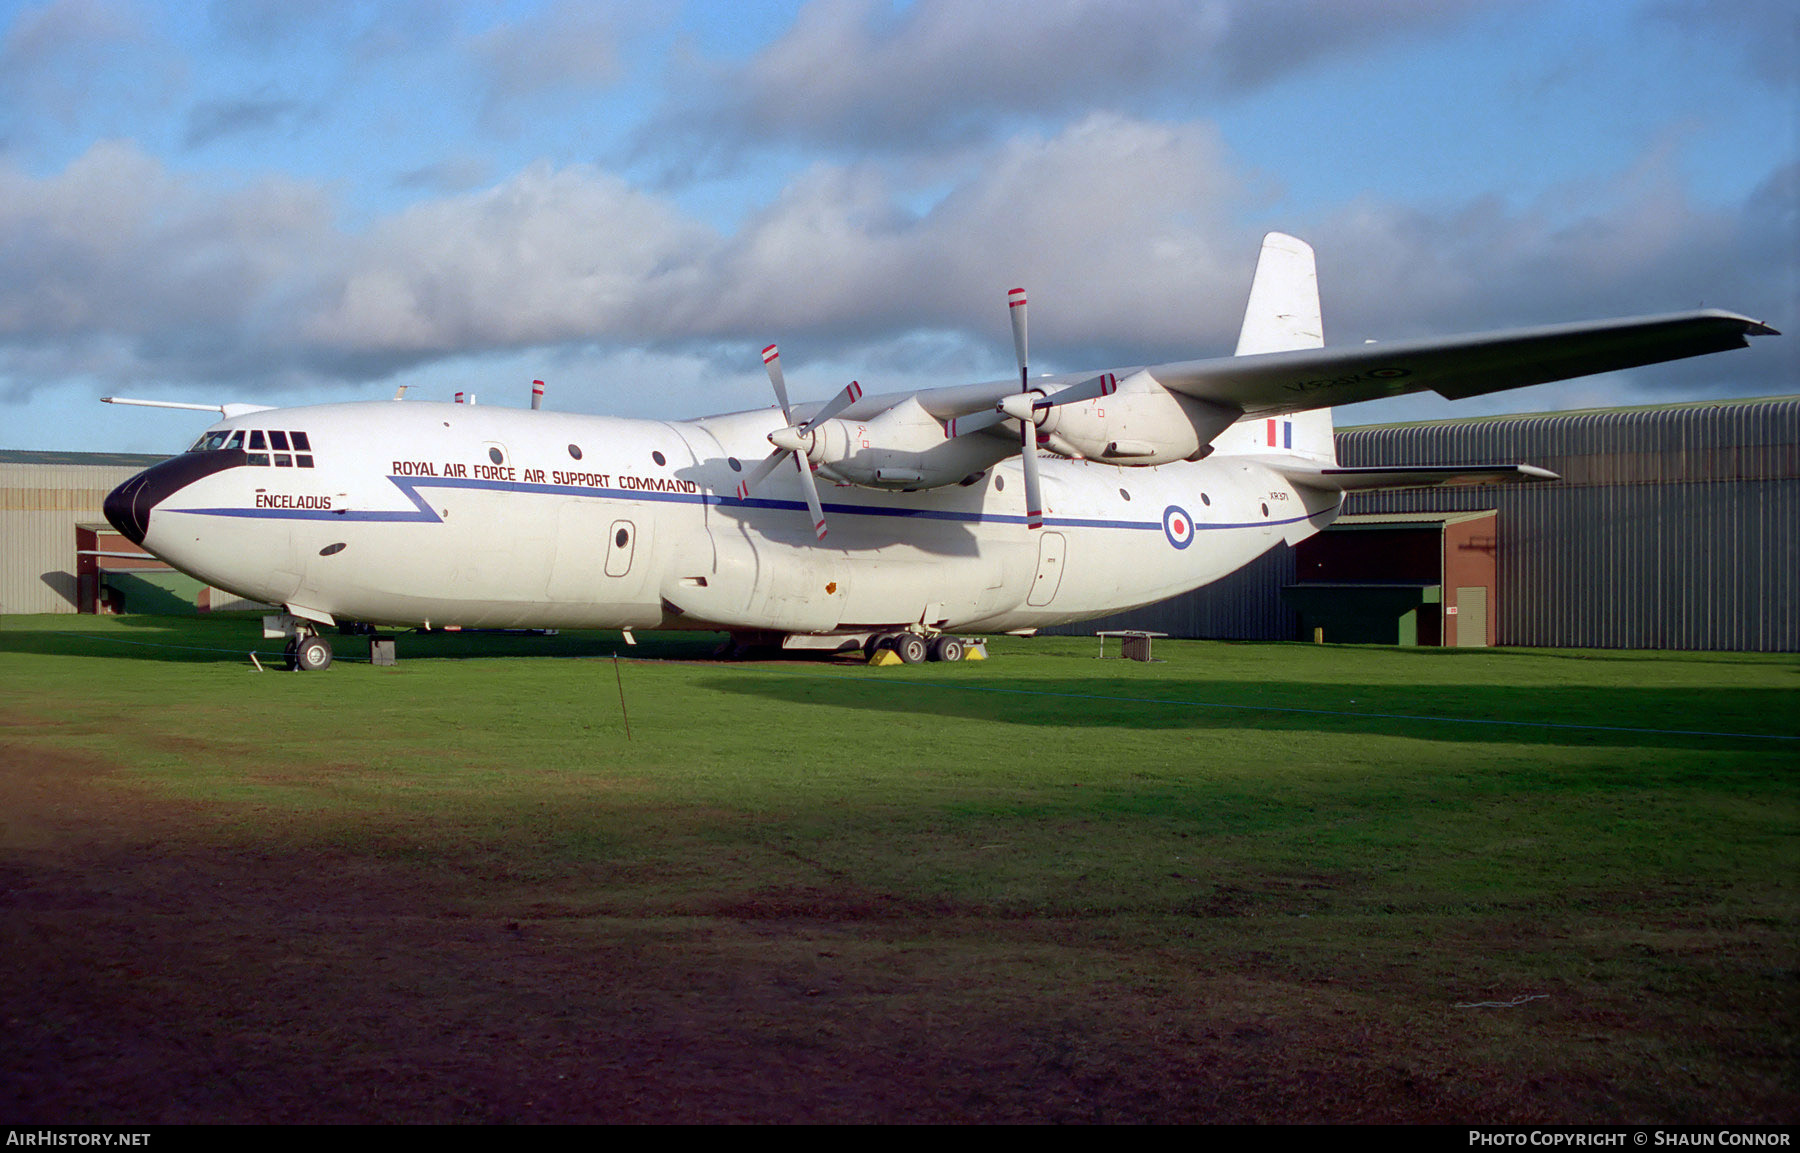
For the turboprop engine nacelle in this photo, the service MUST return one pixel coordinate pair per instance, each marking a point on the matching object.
(903, 448)
(1142, 423)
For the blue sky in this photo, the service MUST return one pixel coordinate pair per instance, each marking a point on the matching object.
(291, 203)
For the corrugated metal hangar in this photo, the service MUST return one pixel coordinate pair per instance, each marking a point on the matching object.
(1673, 527)
(58, 554)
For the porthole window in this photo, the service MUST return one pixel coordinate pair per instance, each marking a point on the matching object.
(332, 549)
(496, 455)
(1206, 500)
(1124, 494)
(659, 458)
(622, 538)
(999, 483)
(575, 452)
(733, 462)
(1265, 509)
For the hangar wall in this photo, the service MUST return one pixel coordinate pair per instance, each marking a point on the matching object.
(43, 497)
(1673, 527)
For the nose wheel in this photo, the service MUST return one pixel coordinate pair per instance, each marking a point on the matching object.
(309, 654)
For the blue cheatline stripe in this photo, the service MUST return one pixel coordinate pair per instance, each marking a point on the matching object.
(423, 513)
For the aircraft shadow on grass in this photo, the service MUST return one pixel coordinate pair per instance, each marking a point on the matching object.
(1724, 719)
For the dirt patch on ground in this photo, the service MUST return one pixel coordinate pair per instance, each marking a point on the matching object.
(159, 971)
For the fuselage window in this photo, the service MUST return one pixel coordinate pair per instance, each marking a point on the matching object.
(1124, 494)
(734, 463)
(659, 458)
(1206, 500)
(575, 451)
(496, 455)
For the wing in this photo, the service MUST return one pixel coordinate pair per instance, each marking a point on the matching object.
(1454, 367)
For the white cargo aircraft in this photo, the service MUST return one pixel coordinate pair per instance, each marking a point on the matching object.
(998, 507)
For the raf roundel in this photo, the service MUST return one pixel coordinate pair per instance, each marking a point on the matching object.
(1178, 526)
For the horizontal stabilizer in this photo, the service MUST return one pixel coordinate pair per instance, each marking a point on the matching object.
(1336, 479)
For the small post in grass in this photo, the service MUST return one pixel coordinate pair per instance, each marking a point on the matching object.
(620, 677)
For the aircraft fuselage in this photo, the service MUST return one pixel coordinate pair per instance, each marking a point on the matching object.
(443, 514)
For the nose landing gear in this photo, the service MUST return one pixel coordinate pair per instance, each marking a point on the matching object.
(309, 654)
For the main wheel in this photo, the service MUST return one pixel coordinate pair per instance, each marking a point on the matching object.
(909, 647)
(312, 654)
(947, 648)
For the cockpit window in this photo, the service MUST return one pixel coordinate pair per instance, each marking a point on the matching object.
(257, 445)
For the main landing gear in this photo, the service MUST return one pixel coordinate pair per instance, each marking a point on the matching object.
(912, 648)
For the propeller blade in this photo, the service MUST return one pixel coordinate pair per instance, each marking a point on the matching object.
(1028, 456)
(850, 395)
(1103, 385)
(772, 362)
(755, 479)
(1016, 304)
(810, 487)
(973, 422)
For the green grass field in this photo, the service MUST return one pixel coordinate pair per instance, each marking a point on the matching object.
(1248, 882)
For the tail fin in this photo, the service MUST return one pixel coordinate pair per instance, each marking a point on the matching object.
(1283, 316)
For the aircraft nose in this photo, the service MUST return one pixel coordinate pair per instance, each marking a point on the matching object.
(123, 511)
(128, 507)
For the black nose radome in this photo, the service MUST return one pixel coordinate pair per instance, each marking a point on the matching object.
(128, 507)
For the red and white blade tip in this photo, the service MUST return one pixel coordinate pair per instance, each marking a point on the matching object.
(770, 353)
(1016, 297)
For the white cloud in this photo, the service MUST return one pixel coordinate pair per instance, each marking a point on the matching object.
(1125, 232)
(863, 76)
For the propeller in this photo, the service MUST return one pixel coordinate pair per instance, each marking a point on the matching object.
(797, 439)
(1028, 433)
(1016, 406)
